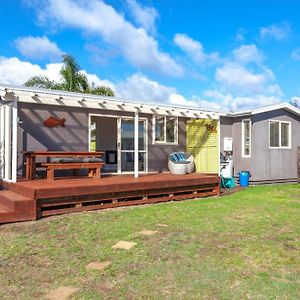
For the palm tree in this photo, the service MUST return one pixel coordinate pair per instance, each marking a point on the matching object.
(72, 80)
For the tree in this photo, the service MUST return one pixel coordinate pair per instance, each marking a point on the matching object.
(296, 102)
(72, 80)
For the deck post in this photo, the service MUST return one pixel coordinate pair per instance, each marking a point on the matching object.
(14, 142)
(136, 144)
(7, 144)
(2, 120)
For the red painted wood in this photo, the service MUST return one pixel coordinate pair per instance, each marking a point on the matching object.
(33, 199)
(30, 158)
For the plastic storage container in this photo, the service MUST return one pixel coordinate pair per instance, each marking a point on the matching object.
(244, 178)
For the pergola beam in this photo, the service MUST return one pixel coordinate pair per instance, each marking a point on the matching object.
(88, 101)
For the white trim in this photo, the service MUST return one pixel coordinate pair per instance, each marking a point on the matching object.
(90, 131)
(286, 106)
(119, 162)
(7, 145)
(243, 138)
(290, 134)
(164, 142)
(2, 141)
(136, 144)
(14, 141)
(119, 151)
(64, 98)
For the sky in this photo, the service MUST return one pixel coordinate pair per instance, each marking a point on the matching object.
(231, 55)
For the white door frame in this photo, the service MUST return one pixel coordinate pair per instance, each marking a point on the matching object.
(8, 140)
(119, 120)
(135, 152)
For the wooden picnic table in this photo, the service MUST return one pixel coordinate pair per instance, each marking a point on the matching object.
(30, 158)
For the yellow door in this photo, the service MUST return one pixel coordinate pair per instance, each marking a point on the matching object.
(203, 144)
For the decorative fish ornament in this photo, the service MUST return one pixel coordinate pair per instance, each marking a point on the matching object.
(211, 128)
(54, 122)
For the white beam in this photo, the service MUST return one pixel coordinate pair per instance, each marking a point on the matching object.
(7, 145)
(2, 122)
(14, 142)
(136, 144)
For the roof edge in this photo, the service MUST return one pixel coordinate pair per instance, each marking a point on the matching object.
(284, 105)
(7, 87)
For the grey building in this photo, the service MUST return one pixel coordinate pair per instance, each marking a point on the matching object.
(264, 142)
(138, 137)
(33, 119)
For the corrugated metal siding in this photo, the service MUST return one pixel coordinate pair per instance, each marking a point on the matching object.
(203, 144)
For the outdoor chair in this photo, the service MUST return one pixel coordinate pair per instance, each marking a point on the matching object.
(181, 163)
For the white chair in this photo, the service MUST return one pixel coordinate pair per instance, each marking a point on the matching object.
(181, 163)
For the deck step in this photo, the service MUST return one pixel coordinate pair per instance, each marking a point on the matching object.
(9, 198)
(5, 209)
(15, 207)
(7, 214)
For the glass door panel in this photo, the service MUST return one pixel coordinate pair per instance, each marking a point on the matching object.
(127, 135)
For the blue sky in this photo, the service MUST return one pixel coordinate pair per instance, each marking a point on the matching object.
(216, 54)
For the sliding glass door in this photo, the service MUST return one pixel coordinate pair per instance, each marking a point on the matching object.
(126, 146)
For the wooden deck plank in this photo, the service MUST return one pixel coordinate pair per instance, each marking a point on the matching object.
(84, 186)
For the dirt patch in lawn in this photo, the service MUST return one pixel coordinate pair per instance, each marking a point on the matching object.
(123, 245)
(148, 232)
(62, 293)
(98, 265)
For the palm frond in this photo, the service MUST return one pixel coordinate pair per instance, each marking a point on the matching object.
(82, 83)
(41, 82)
(102, 90)
(72, 80)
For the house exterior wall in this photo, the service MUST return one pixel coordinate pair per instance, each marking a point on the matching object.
(225, 130)
(269, 163)
(265, 163)
(33, 135)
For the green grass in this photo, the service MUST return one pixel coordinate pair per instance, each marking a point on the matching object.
(242, 246)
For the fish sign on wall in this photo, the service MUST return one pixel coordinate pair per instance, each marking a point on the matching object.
(52, 122)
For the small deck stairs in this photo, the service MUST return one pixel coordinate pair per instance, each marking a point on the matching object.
(15, 207)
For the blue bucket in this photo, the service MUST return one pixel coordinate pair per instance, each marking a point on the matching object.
(244, 178)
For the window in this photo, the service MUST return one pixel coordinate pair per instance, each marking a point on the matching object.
(246, 138)
(280, 134)
(165, 130)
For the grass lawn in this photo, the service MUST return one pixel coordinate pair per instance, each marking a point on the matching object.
(241, 246)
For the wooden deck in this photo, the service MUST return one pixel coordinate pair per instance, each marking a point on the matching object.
(31, 200)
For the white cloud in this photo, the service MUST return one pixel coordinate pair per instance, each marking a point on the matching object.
(140, 87)
(296, 54)
(96, 17)
(235, 102)
(15, 71)
(244, 82)
(246, 75)
(144, 16)
(237, 78)
(194, 49)
(38, 48)
(279, 32)
(247, 54)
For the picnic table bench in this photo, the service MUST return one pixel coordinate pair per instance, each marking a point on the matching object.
(89, 162)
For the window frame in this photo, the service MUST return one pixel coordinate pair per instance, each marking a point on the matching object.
(289, 134)
(243, 138)
(164, 142)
